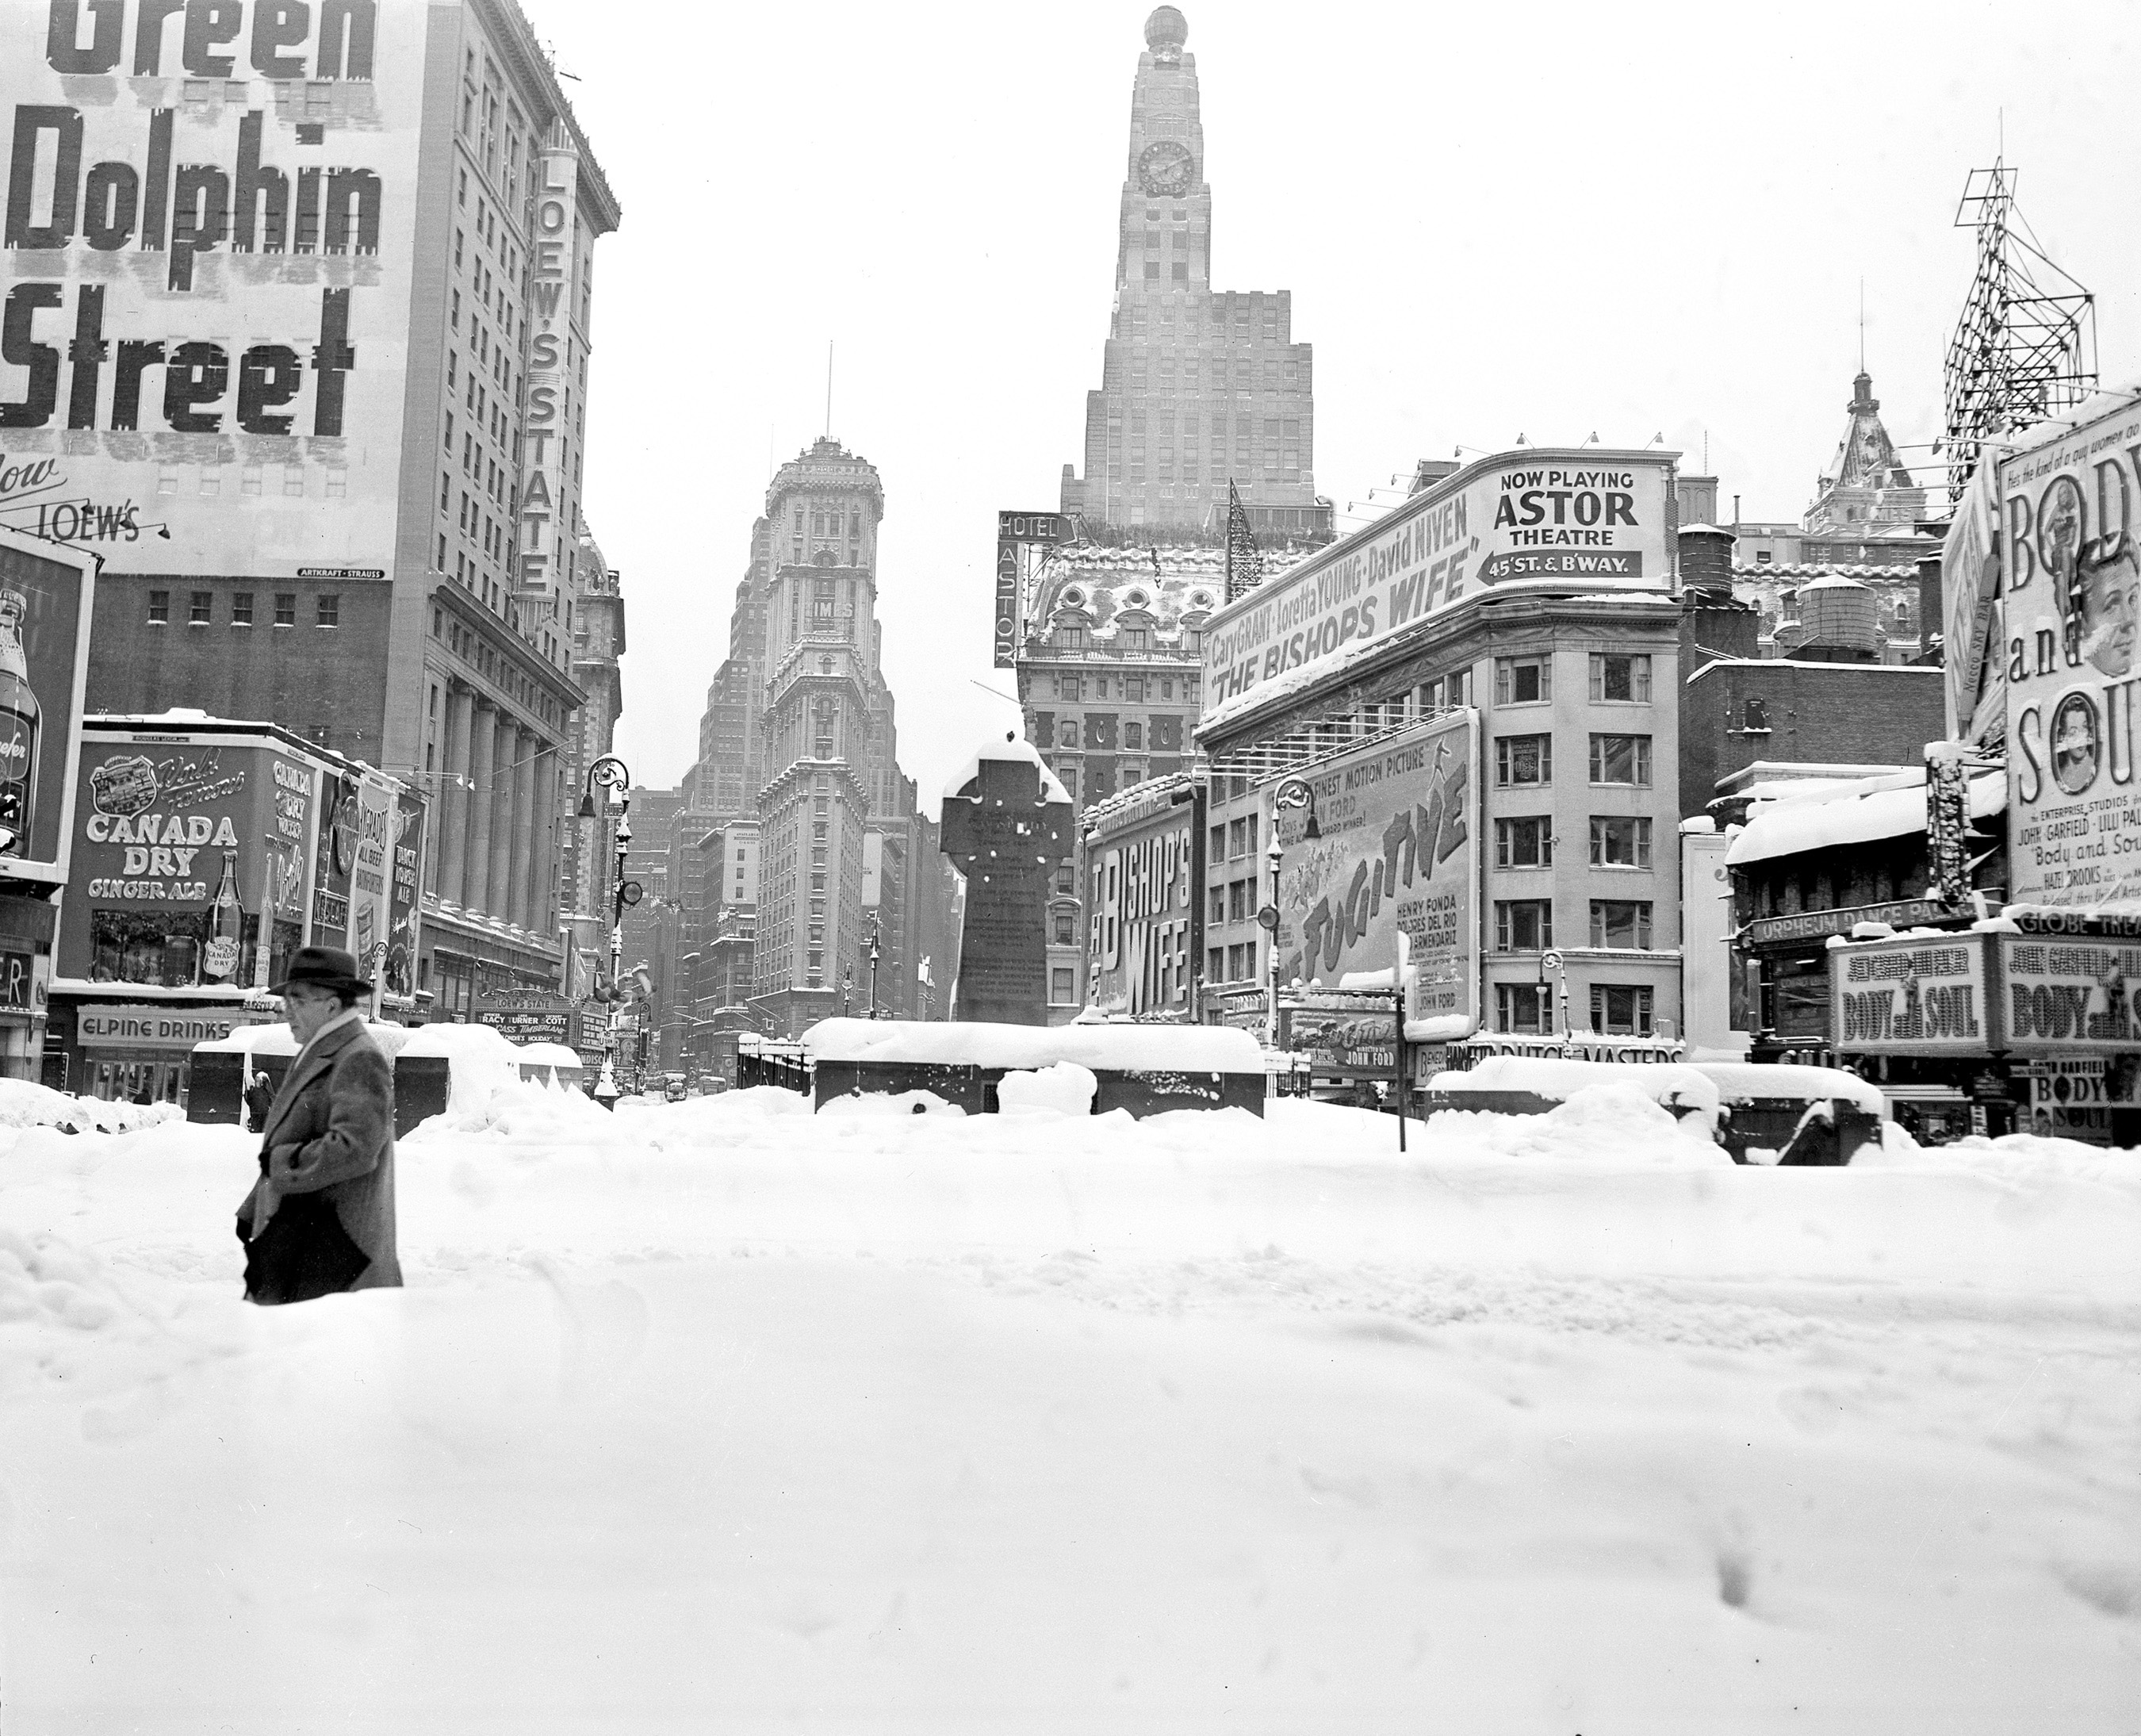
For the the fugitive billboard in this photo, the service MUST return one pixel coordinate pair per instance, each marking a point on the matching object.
(1396, 851)
(1592, 519)
(210, 216)
(2073, 622)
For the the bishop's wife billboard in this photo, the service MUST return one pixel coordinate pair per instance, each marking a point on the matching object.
(206, 267)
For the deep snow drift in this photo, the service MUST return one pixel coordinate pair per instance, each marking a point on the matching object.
(720, 1416)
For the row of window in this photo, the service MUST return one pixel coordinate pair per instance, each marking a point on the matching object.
(1232, 838)
(200, 609)
(1616, 1009)
(1098, 737)
(1617, 841)
(1526, 925)
(1525, 760)
(1231, 964)
(1616, 678)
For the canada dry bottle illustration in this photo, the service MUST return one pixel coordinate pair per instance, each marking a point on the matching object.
(21, 722)
(228, 927)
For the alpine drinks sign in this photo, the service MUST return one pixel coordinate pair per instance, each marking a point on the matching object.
(207, 268)
(1588, 520)
(2070, 515)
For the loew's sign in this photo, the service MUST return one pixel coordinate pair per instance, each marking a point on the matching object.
(208, 263)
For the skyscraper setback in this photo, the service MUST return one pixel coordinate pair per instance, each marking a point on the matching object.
(1198, 386)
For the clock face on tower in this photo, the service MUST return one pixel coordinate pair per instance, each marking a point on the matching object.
(1165, 168)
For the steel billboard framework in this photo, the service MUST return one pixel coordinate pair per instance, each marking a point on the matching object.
(2024, 346)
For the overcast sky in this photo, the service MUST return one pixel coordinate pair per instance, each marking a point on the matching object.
(1495, 220)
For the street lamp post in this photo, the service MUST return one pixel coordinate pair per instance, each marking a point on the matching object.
(847, 987)
(610, 772)
(1293, 792)
(873, 954)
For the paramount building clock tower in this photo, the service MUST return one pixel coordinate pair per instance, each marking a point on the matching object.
(1197, 387)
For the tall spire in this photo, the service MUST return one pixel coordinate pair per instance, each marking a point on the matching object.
(1866, 483)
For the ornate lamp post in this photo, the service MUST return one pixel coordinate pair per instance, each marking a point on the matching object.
(847, 987)
(1293, 792)
(873, 955)
(610, 772)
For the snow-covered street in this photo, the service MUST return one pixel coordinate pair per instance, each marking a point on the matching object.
(721, 1416)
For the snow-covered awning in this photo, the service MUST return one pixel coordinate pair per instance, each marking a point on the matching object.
(1880, 809)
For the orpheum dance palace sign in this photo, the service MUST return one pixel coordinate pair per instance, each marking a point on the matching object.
(1590, 519)
(210, 220)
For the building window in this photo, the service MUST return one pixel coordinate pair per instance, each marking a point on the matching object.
(1066, 732)
(1527, 843)
(1520, 1007)
(329, 610)
(1133, 737)
(201, 608)
(160, 608)
(1616, 678)
(1621, 924)
(1524, 925)
(1215, 964)
(1619, 759)
(241, 609)
(286, 609)
(1064, 935)
(1069, 687)
(1620, 1011)
(1523, 680)
(1527, 759)
(1620, 841)
(1062, 986)
(1217, 900)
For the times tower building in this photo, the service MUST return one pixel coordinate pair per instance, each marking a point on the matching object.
(1198, 387)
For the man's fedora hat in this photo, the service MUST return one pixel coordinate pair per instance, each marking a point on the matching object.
(329, 967)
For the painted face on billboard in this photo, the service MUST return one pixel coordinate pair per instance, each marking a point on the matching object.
(2061, 517)
(2076, 743)
(2108, 586)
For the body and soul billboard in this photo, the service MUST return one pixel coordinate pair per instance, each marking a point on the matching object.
(1396, 852)
(1593, 519)
(205, 280)
(2072, 657)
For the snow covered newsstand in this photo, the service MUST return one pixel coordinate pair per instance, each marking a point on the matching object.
(1144, 1068)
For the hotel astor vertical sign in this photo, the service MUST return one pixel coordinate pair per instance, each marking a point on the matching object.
(1014, 530)
(206, 268)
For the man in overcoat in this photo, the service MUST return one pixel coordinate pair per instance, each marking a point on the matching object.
(321, 1217)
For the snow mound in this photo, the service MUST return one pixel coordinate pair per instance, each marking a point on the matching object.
(904, 1102)
(45, 1282)
(1066, 1088)
(2024, 1158)
(1613, 1123)
(25, 1104)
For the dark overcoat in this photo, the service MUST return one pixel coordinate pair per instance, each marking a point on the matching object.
(331, 1131)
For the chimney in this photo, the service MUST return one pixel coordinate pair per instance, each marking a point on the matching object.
(1705, 559)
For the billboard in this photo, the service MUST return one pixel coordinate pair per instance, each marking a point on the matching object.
(1592, 519)
(398, 974)
(1396, 852)
(1911, 997)
(1142, 875)
(2072, 606)
(46, 595)
(1969, 587)
(207, 272)
(2069, 996)
(189, 860)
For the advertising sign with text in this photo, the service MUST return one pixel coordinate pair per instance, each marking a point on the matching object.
(2060, 997)
(46, 596)
(1589, 520)
(1911, 997)
(1141, 870)
(207, 268)
(2073, 624)
(1397, 851)
(545, 525)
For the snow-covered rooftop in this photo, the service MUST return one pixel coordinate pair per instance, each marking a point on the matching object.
(1876, 808)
